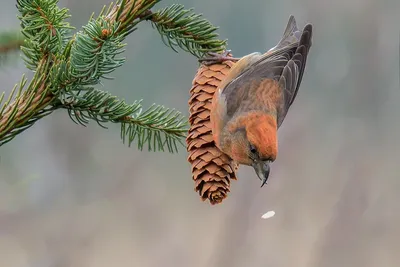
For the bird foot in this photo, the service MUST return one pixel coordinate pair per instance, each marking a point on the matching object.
(217, 58)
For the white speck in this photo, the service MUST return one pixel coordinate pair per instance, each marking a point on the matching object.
(268, 215)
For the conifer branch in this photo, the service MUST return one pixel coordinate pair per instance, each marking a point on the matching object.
(184, 29)
(157, 127)
(21, 111)
(68, 67)
(44, 27)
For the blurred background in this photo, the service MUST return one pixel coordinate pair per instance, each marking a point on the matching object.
(72, 196)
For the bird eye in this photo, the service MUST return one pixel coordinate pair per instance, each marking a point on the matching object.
(253, 149)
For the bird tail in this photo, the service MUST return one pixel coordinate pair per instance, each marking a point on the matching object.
(291, 35)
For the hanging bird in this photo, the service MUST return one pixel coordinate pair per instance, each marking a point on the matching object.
(252, 101)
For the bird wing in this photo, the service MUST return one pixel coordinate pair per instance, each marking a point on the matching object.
(292, 74)
(273, 79)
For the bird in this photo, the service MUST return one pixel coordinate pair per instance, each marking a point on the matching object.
(252, 101)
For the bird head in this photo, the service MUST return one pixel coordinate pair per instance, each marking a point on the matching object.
(252, 141)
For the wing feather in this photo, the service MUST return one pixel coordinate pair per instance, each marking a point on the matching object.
(284, 65)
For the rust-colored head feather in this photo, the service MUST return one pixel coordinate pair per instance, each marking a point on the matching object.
(261, 130)
(255, 130)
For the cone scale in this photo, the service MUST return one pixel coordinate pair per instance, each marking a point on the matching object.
(212, 170)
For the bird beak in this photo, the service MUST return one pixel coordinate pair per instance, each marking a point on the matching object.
(262, 170)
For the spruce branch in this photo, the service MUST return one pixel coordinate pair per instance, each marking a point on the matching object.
(66, 71)
(68, 67)
(184, 29)
(157, 127)
(93, 55)
(28, 105)
(44, 27)
(93, 52)
(129, 13)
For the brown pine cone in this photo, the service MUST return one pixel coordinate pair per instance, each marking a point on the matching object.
(212, 170)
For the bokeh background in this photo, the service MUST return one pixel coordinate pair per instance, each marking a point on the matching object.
(72, 196)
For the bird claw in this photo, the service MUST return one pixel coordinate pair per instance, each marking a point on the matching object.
(217, 58)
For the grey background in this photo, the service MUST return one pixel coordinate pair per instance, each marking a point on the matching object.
(75, 196)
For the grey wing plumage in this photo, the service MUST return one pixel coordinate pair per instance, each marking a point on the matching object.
(291, 35)
(284, 63)
(293, 71)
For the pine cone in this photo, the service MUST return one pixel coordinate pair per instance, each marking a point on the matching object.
(212, 170)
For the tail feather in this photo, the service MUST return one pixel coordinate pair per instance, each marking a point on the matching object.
(291, 35)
